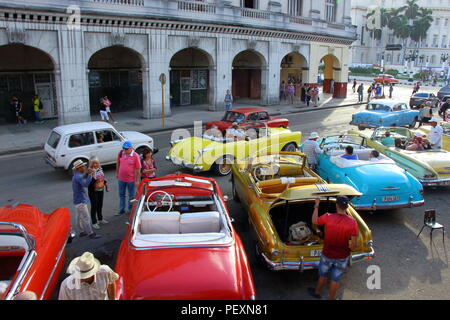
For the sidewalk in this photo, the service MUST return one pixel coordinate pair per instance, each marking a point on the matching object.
(32, 136)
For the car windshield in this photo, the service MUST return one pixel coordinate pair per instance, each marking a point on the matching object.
(233, 116)
(53, 139)
(342, 139)
(421, 95)
(377, 107)
(394, 132)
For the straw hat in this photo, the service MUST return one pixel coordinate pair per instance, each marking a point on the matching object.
(78, 164)
(84, 267)
(313, 135)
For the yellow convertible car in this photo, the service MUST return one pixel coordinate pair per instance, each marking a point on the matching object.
(430, 167)
(217, 154)
(278, 192)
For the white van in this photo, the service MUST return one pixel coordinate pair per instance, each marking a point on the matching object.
(71, 142)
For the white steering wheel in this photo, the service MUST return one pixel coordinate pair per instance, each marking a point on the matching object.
(258, 174)
(164, 201)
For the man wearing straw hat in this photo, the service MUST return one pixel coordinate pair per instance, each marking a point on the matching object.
(311, 148)
(80, 181)
(88, 280)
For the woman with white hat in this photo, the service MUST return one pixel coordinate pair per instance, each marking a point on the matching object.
(88, 280)
(311, 148)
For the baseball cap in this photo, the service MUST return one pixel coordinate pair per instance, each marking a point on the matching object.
(342, 201)
(127, 144)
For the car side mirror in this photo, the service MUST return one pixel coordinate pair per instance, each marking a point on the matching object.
(225, 198)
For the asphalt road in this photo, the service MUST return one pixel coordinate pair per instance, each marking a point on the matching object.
(408, 268)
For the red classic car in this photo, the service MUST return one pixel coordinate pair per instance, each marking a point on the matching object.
(32, 250)
(386, 79)
(247, 114)
(181, 244)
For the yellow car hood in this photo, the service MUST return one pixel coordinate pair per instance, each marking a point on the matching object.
(188, 148)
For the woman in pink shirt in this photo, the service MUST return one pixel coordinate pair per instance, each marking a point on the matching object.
(148, 165)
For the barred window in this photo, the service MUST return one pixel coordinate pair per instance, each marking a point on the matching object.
(295, 7)
(331, 10)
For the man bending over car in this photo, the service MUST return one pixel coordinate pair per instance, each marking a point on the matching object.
(339, 229)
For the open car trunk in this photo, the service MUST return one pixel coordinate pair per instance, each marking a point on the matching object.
(288, 213)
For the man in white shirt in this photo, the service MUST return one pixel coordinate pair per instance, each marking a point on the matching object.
(374, 156)
(435, 134)
(311, 148)
(234, 133)
(88, 280)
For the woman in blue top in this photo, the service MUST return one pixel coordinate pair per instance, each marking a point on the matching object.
(349, 154)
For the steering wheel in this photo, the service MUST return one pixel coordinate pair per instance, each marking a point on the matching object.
(258, 174)
(161, 201)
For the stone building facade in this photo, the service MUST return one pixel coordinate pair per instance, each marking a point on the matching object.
(74, 52)
(366, 50)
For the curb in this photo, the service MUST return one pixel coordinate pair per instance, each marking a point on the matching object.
(308, 109)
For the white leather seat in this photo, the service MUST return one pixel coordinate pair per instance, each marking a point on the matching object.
(160, 222)
(200, 222)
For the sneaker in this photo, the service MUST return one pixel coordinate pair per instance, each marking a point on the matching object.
(94, 236)
(104, 221)
(96, 226)
(312, 292)
(120, 213)
(82, 234)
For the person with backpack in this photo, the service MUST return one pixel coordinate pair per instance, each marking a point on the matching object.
(128, 172)
(37, 107)
(354, 85)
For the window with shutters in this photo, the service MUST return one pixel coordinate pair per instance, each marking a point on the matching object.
(331, 10)
(295, 7)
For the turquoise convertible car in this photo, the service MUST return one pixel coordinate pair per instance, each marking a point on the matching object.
(383, 183)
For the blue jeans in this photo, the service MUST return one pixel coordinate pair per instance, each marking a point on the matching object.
(37, 115)
(227, 106)
(333, 267)
(123, 186)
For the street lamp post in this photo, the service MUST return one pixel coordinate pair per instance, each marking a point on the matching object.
(411, 57)
(444, 58)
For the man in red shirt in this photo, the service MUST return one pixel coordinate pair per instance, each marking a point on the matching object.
(339, 229)
(128, 174)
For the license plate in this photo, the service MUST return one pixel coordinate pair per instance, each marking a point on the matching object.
(390, 198)
(315, 253)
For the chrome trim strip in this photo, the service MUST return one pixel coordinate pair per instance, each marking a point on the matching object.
(390, 206)
(277, 266)
(28, 261)
(434, 182)
(58, 258)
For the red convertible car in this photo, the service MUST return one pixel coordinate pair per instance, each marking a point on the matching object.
(32, 250)
(181, 244)
(386, 79)
(242, 115)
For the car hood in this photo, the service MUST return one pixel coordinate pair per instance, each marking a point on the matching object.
(372, 178)
(135, 136)
(222, 125)
(188, 148)
(183, 273)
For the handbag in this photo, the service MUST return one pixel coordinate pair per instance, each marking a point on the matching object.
(299, 232)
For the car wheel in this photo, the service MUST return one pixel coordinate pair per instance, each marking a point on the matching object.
(413, 124)
(361, 128)
(290, 147)
(70, 171)
(222, 166)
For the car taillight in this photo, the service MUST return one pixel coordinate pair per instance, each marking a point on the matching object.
(421, 191)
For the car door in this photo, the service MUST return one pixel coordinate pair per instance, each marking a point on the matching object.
(108, 145)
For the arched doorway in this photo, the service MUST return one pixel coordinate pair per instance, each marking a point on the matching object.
(248, 72)
(26, 71)
(191, 78)
(291, 71)
(116, 72)
(330, 72)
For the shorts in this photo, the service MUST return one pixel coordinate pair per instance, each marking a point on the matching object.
(335, 267)
(104, 115)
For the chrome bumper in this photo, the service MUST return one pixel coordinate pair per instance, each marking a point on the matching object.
(183, 164)
(377, 206)
(435, 182)
(302, 265)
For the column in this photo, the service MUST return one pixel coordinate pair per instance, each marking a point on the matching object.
(158, 63)
(340, 73)
(71, 79)
(273, 73)
(223, 73)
